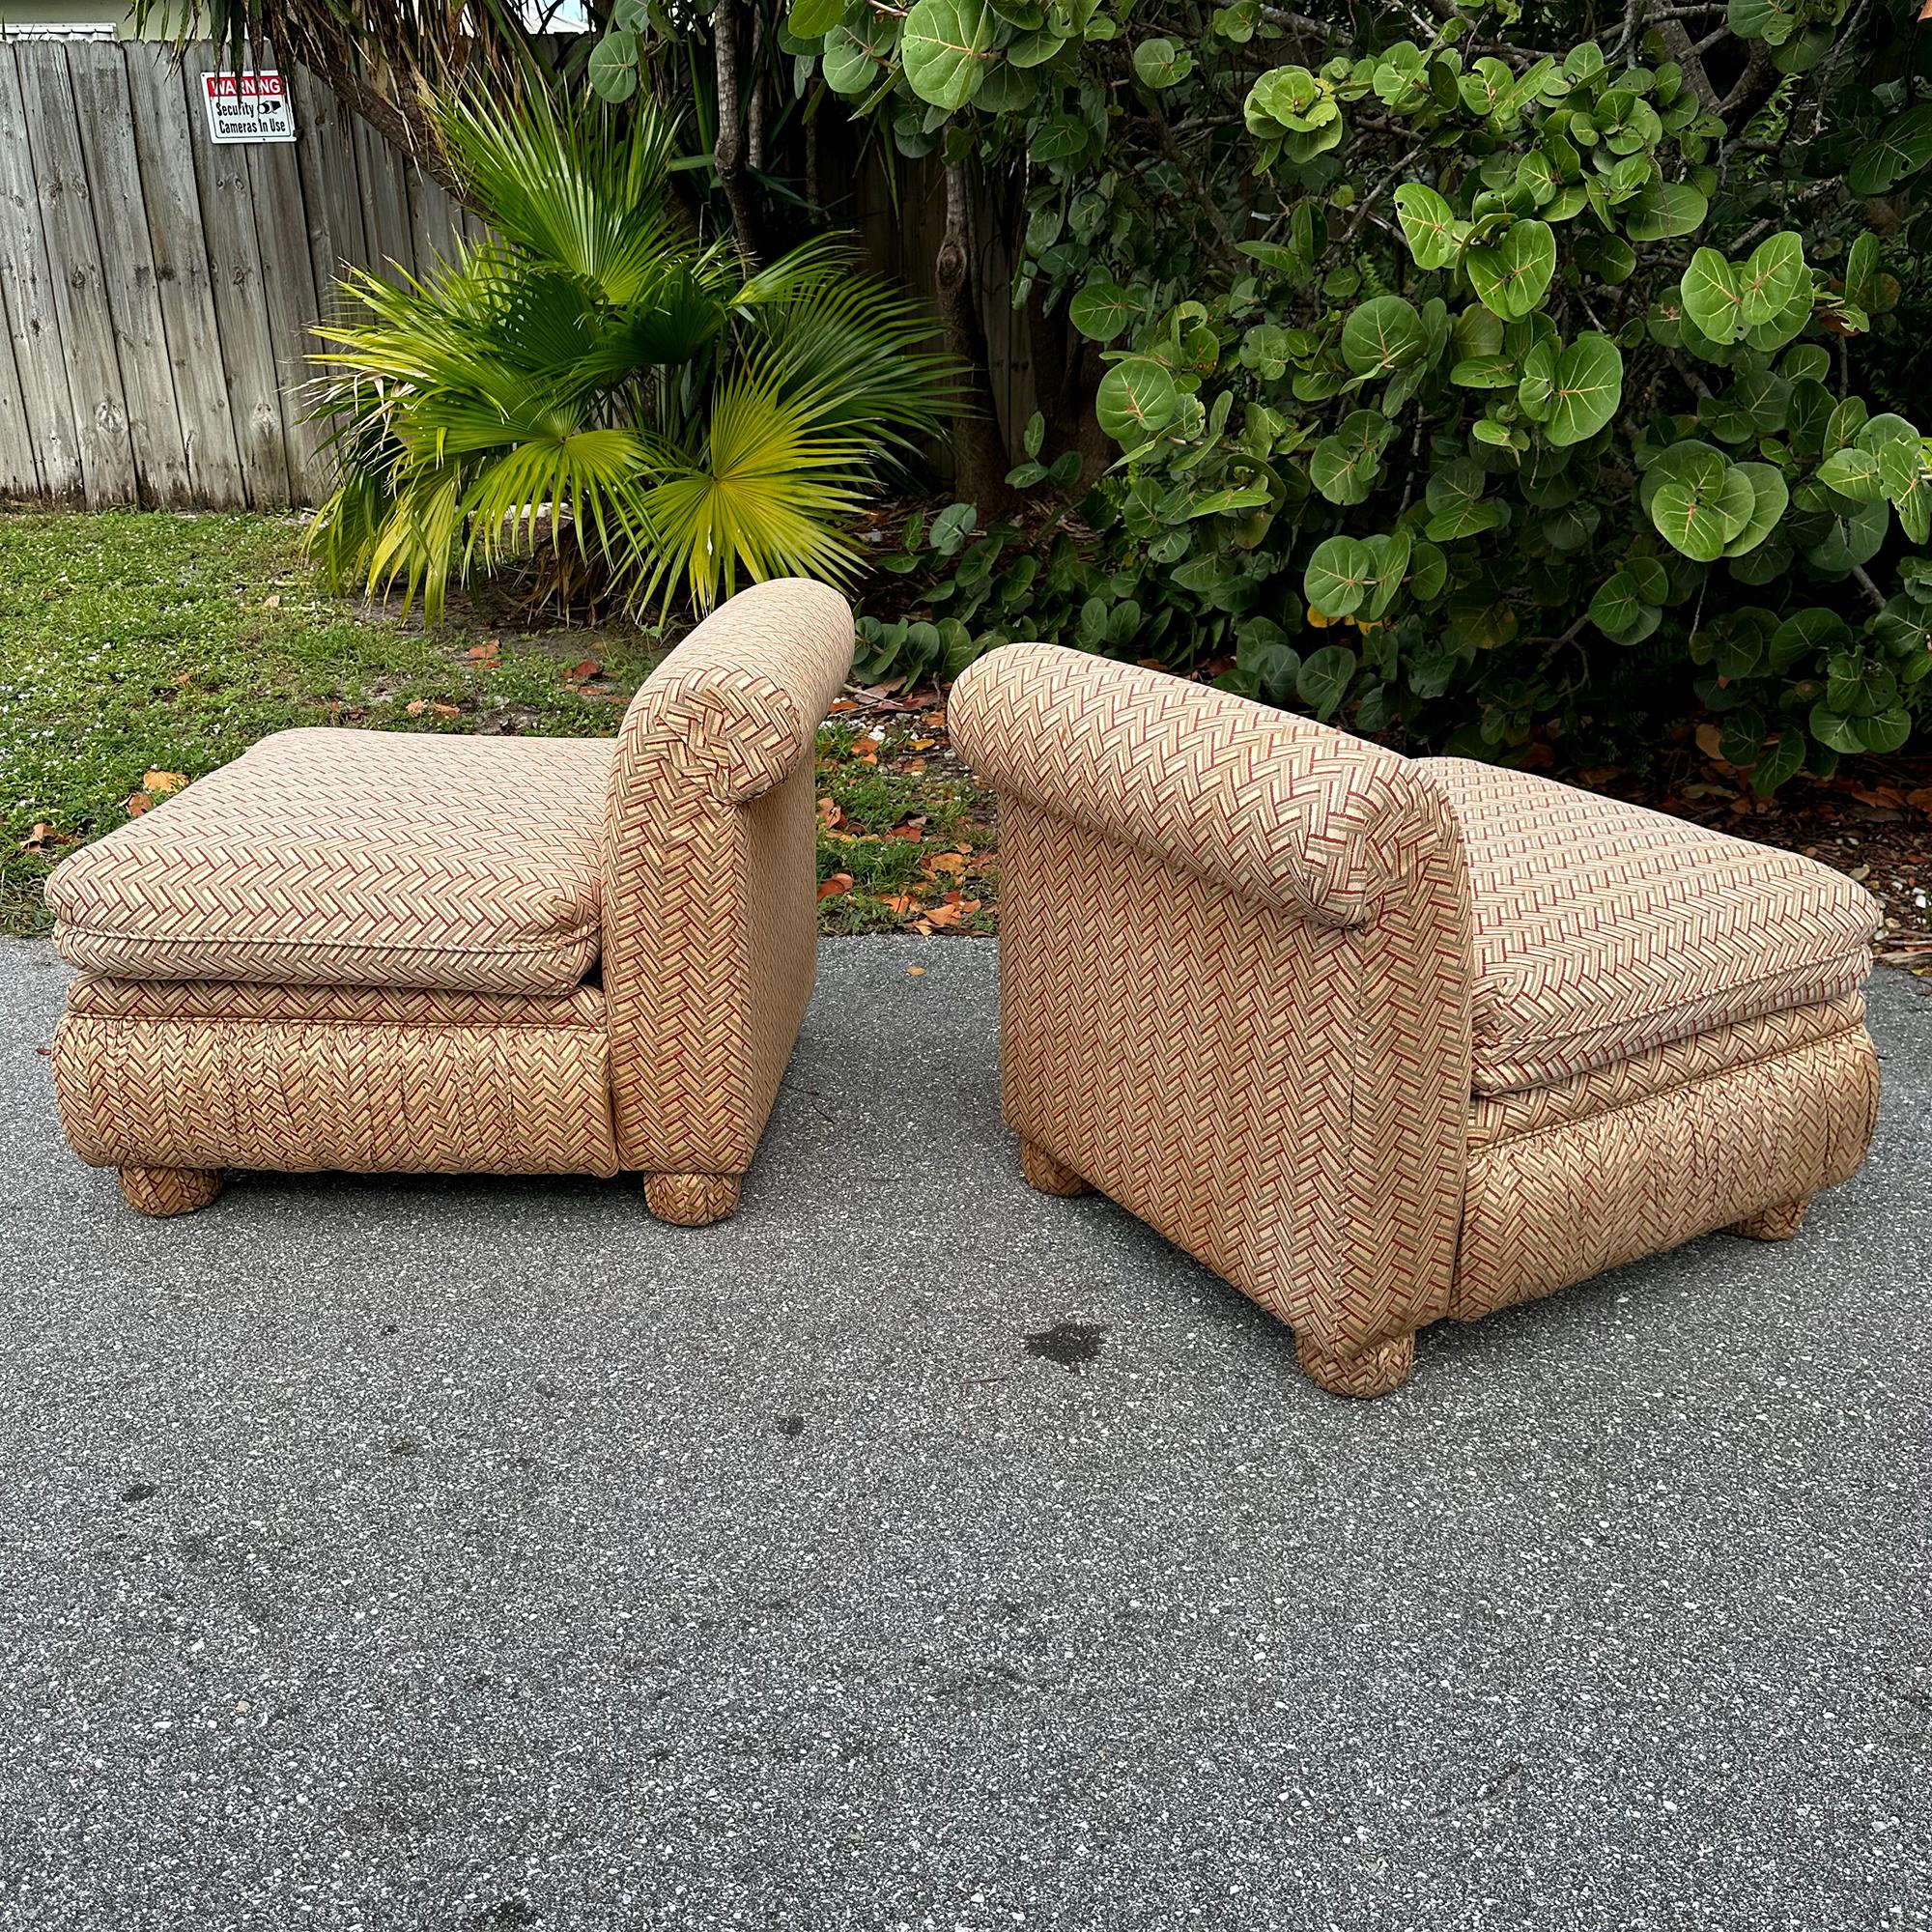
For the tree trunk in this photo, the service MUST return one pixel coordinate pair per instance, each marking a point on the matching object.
(979, 452)
(727, 152)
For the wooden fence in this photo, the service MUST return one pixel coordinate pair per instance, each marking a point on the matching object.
(159, 290)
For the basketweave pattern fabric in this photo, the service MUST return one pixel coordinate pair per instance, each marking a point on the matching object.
(1285, 810)
(1288, 1097)
(338, 1005)
(1283, 1099)
(1553, 1206)
(259, 1089)
(1602, 929)
(709, 912)
(1501, 1117)
(324, 856)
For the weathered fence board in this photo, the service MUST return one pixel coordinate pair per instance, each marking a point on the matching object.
(79, 299)
(27, 280)
(105, 118)
(235, 265)
(162, 137)
(158, 291)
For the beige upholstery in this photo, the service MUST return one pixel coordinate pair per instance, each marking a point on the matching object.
(329, 858)
(1383, 1041)
(386, 950)
(1602, 929)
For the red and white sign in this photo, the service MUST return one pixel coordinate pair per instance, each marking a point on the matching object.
(248, 107)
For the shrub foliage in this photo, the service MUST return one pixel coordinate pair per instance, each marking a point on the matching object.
(1466, 370)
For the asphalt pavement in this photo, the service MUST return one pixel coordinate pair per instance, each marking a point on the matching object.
(915, 1550)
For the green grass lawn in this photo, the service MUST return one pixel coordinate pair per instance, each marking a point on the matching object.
(134, 643)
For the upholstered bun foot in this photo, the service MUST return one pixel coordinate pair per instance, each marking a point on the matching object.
(1374, 1371)
(1046, 1173)
(163, 1191)
(1774, 1224)
(692, 1200)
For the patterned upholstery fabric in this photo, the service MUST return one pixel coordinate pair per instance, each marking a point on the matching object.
(1697, 1135)
(1241, 959)
(236, 1015)
(356, 858)
(710, 920)
(1189, 995)
(1602, 929)
(185, 1074)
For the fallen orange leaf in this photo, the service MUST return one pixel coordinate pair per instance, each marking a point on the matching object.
(159, 785)
(915, 972)
(829, 814)
(416, 707)
(446, 711)
(138, 802)
(583, 674)
(953, 911)
(1920, 799)
(837, 883)
(1709, 737)
(922, 744)
(944, 862)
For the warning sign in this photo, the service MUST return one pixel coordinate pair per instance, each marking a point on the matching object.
(248, 107)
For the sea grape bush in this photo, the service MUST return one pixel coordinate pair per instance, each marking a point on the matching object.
(1458, 374)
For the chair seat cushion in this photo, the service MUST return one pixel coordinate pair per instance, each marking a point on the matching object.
(1602, 930)
(356, 858)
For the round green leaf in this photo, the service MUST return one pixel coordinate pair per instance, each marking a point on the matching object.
(855, 56)
(1854, 472)
(945, 48)
(1769, 495)
(1101, 311)
(613, 66)
(1664, 210)
(1381, 335)
(1324, 679)
(1710, 295)
(1620, 611)
(1769, 282)
(1585, 389)
(812, 20)
(1137, 399)
(1690, 522)
(1161, 64)
(1339, 576)
(1512, 277)
(1428, 224)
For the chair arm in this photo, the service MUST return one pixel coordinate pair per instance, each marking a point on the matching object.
(709, 927)
(1286, 811)
(736, 706)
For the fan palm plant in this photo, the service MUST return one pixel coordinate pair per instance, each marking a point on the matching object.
(594, 388)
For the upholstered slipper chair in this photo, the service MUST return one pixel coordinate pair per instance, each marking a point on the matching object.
(386, 952)
(1382, 1040)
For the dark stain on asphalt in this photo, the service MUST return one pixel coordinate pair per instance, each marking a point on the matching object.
(792, 1425)
(1070, 1344)
(138, 1492)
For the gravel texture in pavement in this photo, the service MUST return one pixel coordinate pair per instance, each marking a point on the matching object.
(915, 1550)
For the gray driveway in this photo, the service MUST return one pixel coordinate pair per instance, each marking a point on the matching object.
(480, 1555)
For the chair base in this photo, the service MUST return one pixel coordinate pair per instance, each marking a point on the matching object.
(1772, 1224)
(163, 1191)
(692, 1200)
(1048, 1174)
(1376, 1371)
